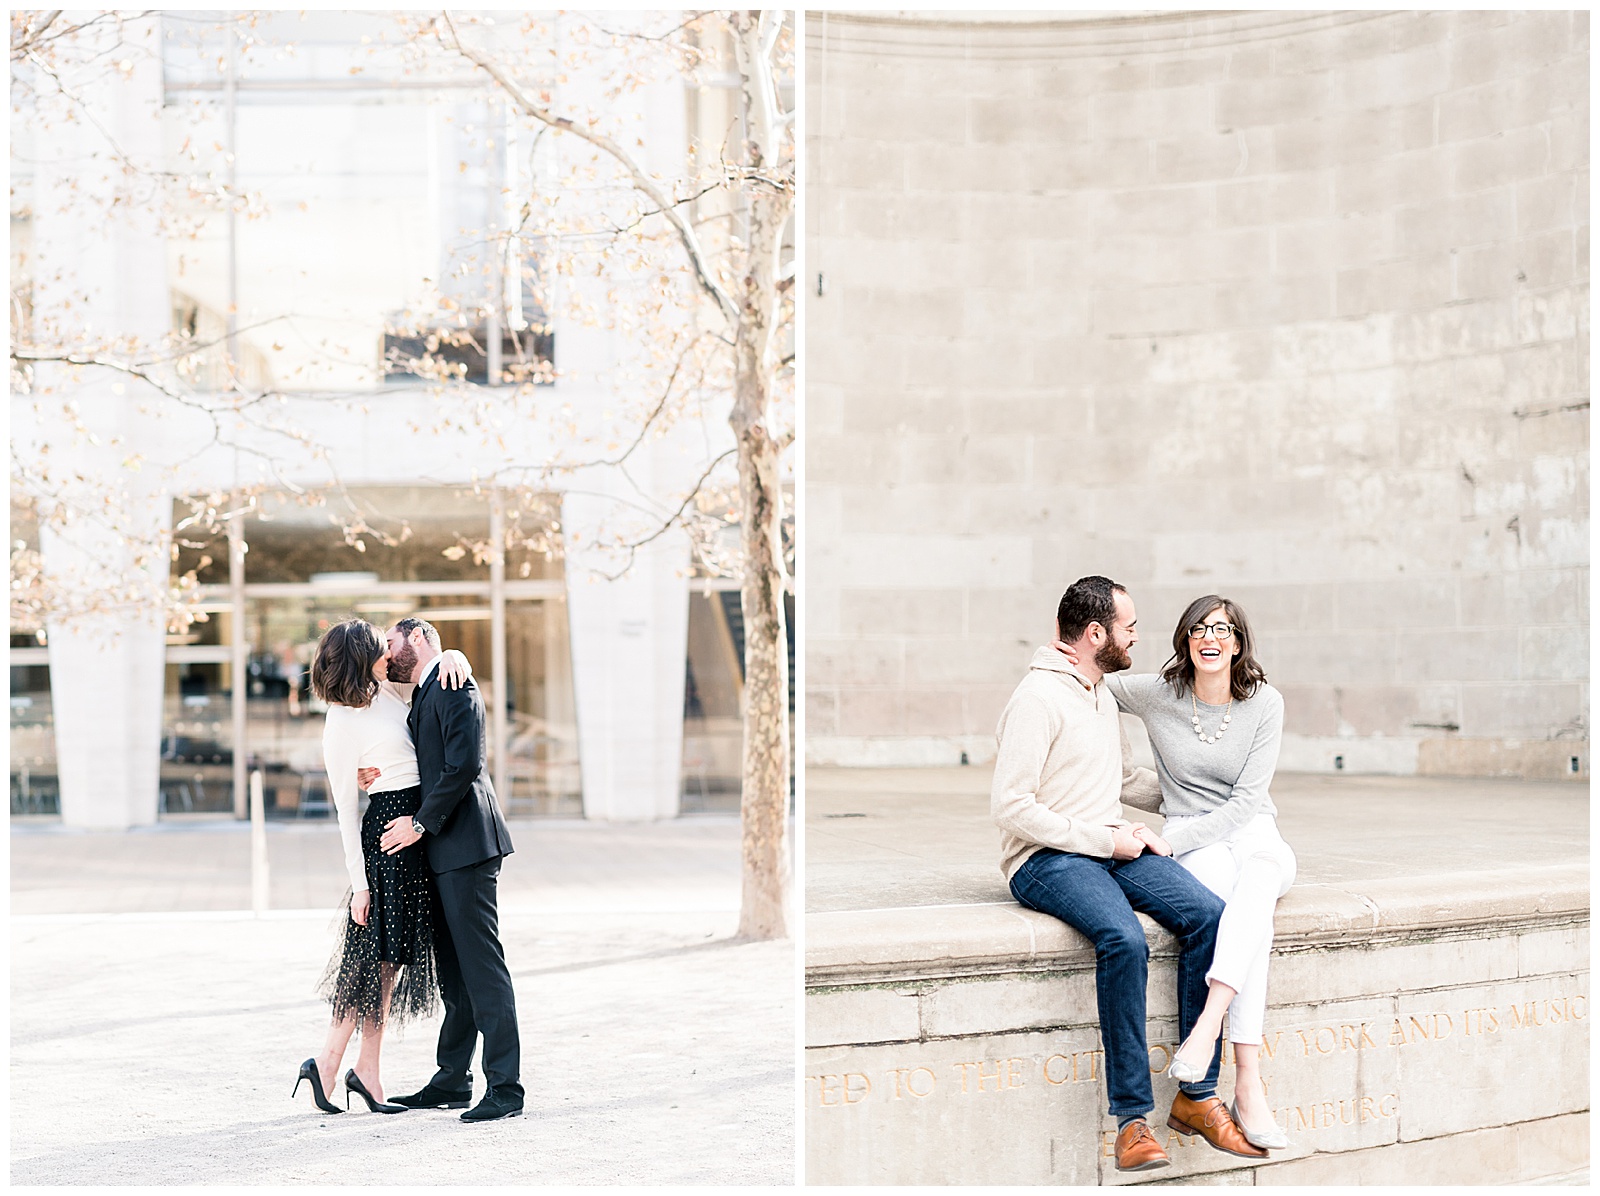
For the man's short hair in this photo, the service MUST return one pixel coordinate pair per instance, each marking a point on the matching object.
(406, 626)
(1087, 600)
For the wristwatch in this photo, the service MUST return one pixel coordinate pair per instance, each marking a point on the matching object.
(418, 828)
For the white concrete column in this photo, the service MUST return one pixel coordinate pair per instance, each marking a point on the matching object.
(629, 644)
(100, 278)
(106, 683)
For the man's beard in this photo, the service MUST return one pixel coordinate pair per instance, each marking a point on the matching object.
(402, 665)
(1109, 659)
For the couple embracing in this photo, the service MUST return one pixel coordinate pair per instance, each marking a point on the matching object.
(424, 863)
(1212, 877)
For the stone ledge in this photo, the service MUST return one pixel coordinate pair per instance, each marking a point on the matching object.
(866, 947)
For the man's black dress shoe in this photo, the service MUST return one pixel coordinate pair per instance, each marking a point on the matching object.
(496, 1103)
(435, 1098)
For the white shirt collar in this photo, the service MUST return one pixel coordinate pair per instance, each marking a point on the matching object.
(428, 668)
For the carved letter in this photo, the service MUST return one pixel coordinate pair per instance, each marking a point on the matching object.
(963, 1067)
(1050, 1079)
(856, 1093)
(1419, 1028)
(1397, 1034)
(1580, 1007)
(1366, 1038)
(1013, 1073)
(1494, 1021)
(1347, 1039)
(911, 1087)
(1166, 1058)
(1389, 1104)
(1269, 1048)
(822, 1090)
(1449, 1025)
(1369, 1110)
(1305, 1041)
(984, 1077)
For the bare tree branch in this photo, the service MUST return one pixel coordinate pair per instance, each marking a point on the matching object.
(671, 521)
(641, 180)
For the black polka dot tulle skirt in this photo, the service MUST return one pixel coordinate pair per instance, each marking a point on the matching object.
(384, 971)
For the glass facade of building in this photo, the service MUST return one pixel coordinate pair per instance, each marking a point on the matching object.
(424, 555)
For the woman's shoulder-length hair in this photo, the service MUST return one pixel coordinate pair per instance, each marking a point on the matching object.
(1247, 675)
(341, 671)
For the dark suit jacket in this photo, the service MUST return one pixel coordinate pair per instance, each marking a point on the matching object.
(458, 805)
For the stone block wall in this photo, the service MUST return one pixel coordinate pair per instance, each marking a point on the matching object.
(1291, 307)
(1418, 1032)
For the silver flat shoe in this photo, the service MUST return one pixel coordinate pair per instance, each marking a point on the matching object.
(1273, 1139)
(1185, 1073)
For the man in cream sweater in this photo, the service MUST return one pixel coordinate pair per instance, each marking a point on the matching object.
(1060, 779)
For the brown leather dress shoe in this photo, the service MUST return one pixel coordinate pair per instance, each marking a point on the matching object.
(1210, 1119)
(1137, 1148)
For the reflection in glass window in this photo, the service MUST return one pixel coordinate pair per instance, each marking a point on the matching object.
(541, 717)
(369, 195)
(34, 787)
(197, 737)
(713, 703)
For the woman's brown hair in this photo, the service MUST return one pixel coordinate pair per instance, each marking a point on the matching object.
(341, 671)
(1246, 675)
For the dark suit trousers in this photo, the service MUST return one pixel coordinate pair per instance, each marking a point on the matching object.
(474, 980)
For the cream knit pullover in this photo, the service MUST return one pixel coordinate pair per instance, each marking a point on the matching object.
(1062, 770)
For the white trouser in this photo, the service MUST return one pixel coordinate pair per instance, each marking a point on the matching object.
(1250, 871)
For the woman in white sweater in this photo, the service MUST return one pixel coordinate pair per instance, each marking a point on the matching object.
(382, 969)
(1215, 728)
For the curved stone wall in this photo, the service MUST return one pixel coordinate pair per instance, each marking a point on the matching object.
(1291, 307)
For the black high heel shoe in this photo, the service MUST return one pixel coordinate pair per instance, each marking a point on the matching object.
(308, 1071)
(352, 1083)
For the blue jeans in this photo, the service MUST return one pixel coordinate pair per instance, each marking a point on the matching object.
(1098, 897)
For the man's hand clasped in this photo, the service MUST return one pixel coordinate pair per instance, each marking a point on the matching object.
(1125, 845)
(1151, 840)
(1131, 841)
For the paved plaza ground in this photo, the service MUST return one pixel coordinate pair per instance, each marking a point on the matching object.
(156, 1027)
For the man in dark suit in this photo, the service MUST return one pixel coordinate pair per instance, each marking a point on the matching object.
(465, 840)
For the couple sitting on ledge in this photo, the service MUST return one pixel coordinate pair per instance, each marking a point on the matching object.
(1212, 877)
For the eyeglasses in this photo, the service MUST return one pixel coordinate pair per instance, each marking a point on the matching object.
(1220, 631)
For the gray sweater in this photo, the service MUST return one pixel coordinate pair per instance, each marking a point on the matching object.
(1224, 783)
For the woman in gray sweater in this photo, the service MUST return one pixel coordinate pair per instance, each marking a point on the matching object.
(1215, 727)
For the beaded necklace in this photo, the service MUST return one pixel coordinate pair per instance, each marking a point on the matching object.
(1227, 717)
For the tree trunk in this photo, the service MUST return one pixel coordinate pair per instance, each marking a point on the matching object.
(764, 808)
(763, 907)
